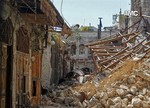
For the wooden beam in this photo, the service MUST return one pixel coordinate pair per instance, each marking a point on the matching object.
(148, 49)
(140, 42)
(110, 40)
(139, 50)
(103, 54)
(103, 51)
(146, 16)
(132, 50)
(106, 47)
(114, 56)
(119, 56)
(147, 43)
(127, 41)
(118, 60)
(133, 25)
(37, 19)
(119, 53)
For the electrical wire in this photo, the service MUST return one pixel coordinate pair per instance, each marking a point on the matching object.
(120, 4)
(62, 13)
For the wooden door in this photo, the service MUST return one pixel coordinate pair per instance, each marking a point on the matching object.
(3, 61)
(22, 67)
(36, 75)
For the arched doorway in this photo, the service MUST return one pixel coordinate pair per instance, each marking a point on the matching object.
(22, 65)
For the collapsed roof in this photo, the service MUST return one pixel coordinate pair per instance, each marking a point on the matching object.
(108, 54)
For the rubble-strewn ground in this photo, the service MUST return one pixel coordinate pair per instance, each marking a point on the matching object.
(127, 87)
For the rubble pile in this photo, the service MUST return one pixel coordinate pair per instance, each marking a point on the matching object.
(62, 96)
(131, 90)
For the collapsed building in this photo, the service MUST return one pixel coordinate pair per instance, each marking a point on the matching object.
(131, 41)
(107, 54)
(124, 58)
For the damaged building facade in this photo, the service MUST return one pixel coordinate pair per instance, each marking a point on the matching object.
(24, 30)
(81, 56)
(142, 6)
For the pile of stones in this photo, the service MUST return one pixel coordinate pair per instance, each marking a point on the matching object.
(132, 91)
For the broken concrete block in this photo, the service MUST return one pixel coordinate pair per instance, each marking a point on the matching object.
(120, 92)
(136, 102)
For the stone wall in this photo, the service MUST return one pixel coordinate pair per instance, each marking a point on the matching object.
(87, 37)
(46, 67)
(58, 65)
(135, 6)
(145, 7)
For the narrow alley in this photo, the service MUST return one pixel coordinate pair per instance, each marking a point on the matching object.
(46, 63)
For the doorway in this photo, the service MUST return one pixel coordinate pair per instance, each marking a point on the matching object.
(9, 77)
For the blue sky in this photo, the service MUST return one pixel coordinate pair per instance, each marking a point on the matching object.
(84, 12)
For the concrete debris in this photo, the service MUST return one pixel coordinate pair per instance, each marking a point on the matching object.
(136, 102)
(130, 91)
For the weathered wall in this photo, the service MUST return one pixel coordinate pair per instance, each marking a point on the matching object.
(145, 8)
(57, 64)
(85, 58)
(135, 6)
(4, 10)
(46, 67)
